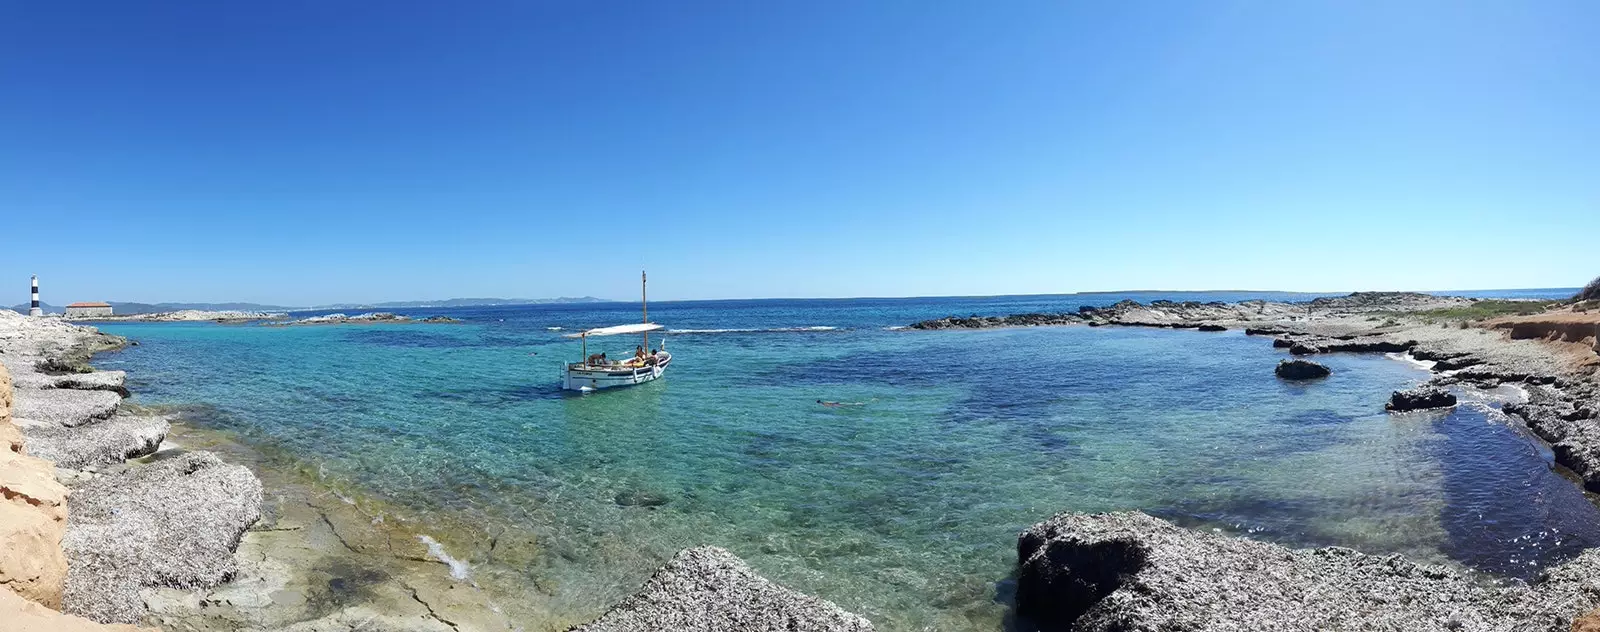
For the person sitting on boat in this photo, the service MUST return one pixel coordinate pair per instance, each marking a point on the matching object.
(596, 358)
(650, 360)
(638, 354)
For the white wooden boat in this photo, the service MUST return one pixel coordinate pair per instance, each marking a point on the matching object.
(595, 372)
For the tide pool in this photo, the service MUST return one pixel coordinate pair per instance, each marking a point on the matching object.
(904, 509)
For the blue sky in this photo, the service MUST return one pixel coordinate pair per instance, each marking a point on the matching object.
(311, 152)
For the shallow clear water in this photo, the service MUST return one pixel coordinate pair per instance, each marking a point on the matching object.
(905, 508)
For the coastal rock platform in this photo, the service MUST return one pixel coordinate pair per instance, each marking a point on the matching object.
(710, 589)
(1130, 571)
(172, 523)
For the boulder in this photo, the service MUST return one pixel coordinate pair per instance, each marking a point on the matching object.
(1211, 327)
(1419, 398)
(1301, 370)
(710, 590)
(172, 523)
(1130, 571)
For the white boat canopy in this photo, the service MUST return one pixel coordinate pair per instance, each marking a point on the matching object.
(635, 328)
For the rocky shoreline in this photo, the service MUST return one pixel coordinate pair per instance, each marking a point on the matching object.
(149, 534)
(1129, 571)
(1553, 357)
(124, 527)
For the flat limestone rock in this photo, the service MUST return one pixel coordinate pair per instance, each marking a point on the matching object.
(172, 523)
(1130, 571)
(114, 381)
(709, 589)
(122, 437)
(69, 408)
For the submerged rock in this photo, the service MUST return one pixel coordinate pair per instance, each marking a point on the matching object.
(1130, 571)
(708, 589)
(1419, 398)
(172, 523)
(636, 498)
(1301, 370)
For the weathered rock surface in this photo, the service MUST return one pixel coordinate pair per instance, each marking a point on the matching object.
(1301, 370)
(124, 436)
(66, 407)
(114, 381)
(33, 514)
(1130, 571)
(991, 322)
(1419, 398)
(340, 319)
(172, 523)
(710, 589)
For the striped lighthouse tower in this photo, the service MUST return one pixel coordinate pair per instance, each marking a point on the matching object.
(33, 310)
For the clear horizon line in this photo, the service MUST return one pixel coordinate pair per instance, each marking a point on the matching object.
(884, 297)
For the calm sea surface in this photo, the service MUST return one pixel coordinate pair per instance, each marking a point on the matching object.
(905, 508)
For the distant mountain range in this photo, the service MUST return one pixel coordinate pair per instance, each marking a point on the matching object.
(125, 308)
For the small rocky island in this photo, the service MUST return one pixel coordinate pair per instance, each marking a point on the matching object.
(366, 318)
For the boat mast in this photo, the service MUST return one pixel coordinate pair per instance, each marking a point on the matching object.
(644, 302)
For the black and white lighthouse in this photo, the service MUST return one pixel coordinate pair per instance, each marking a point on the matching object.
(33, 310)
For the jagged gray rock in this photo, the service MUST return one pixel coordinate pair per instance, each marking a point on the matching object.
(711, 590)
(1421, 397)
(1301, 370)
(1130, 571)
(171, 523)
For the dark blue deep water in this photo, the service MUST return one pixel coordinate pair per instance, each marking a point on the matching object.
(904, 508)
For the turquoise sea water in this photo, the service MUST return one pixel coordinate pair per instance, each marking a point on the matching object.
(904, 509)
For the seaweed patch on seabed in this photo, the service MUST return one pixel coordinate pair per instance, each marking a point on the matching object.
(922, 367)
(496, 396)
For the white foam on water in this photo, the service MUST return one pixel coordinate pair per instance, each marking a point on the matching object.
(551, 328)
(1407, 358)
(458, 569)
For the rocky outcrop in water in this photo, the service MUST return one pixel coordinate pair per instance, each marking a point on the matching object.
(370, 317)
(172, 523)
(991, 322)
(1130, 571)
(1309, 345)
(1301, 370)
(710, 590)
(1420, 398)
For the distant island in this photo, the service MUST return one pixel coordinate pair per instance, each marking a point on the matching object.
(126, 308)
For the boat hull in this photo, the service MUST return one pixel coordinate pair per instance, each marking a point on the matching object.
(585, 378)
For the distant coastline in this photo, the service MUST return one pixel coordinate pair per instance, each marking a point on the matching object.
(124, 308)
